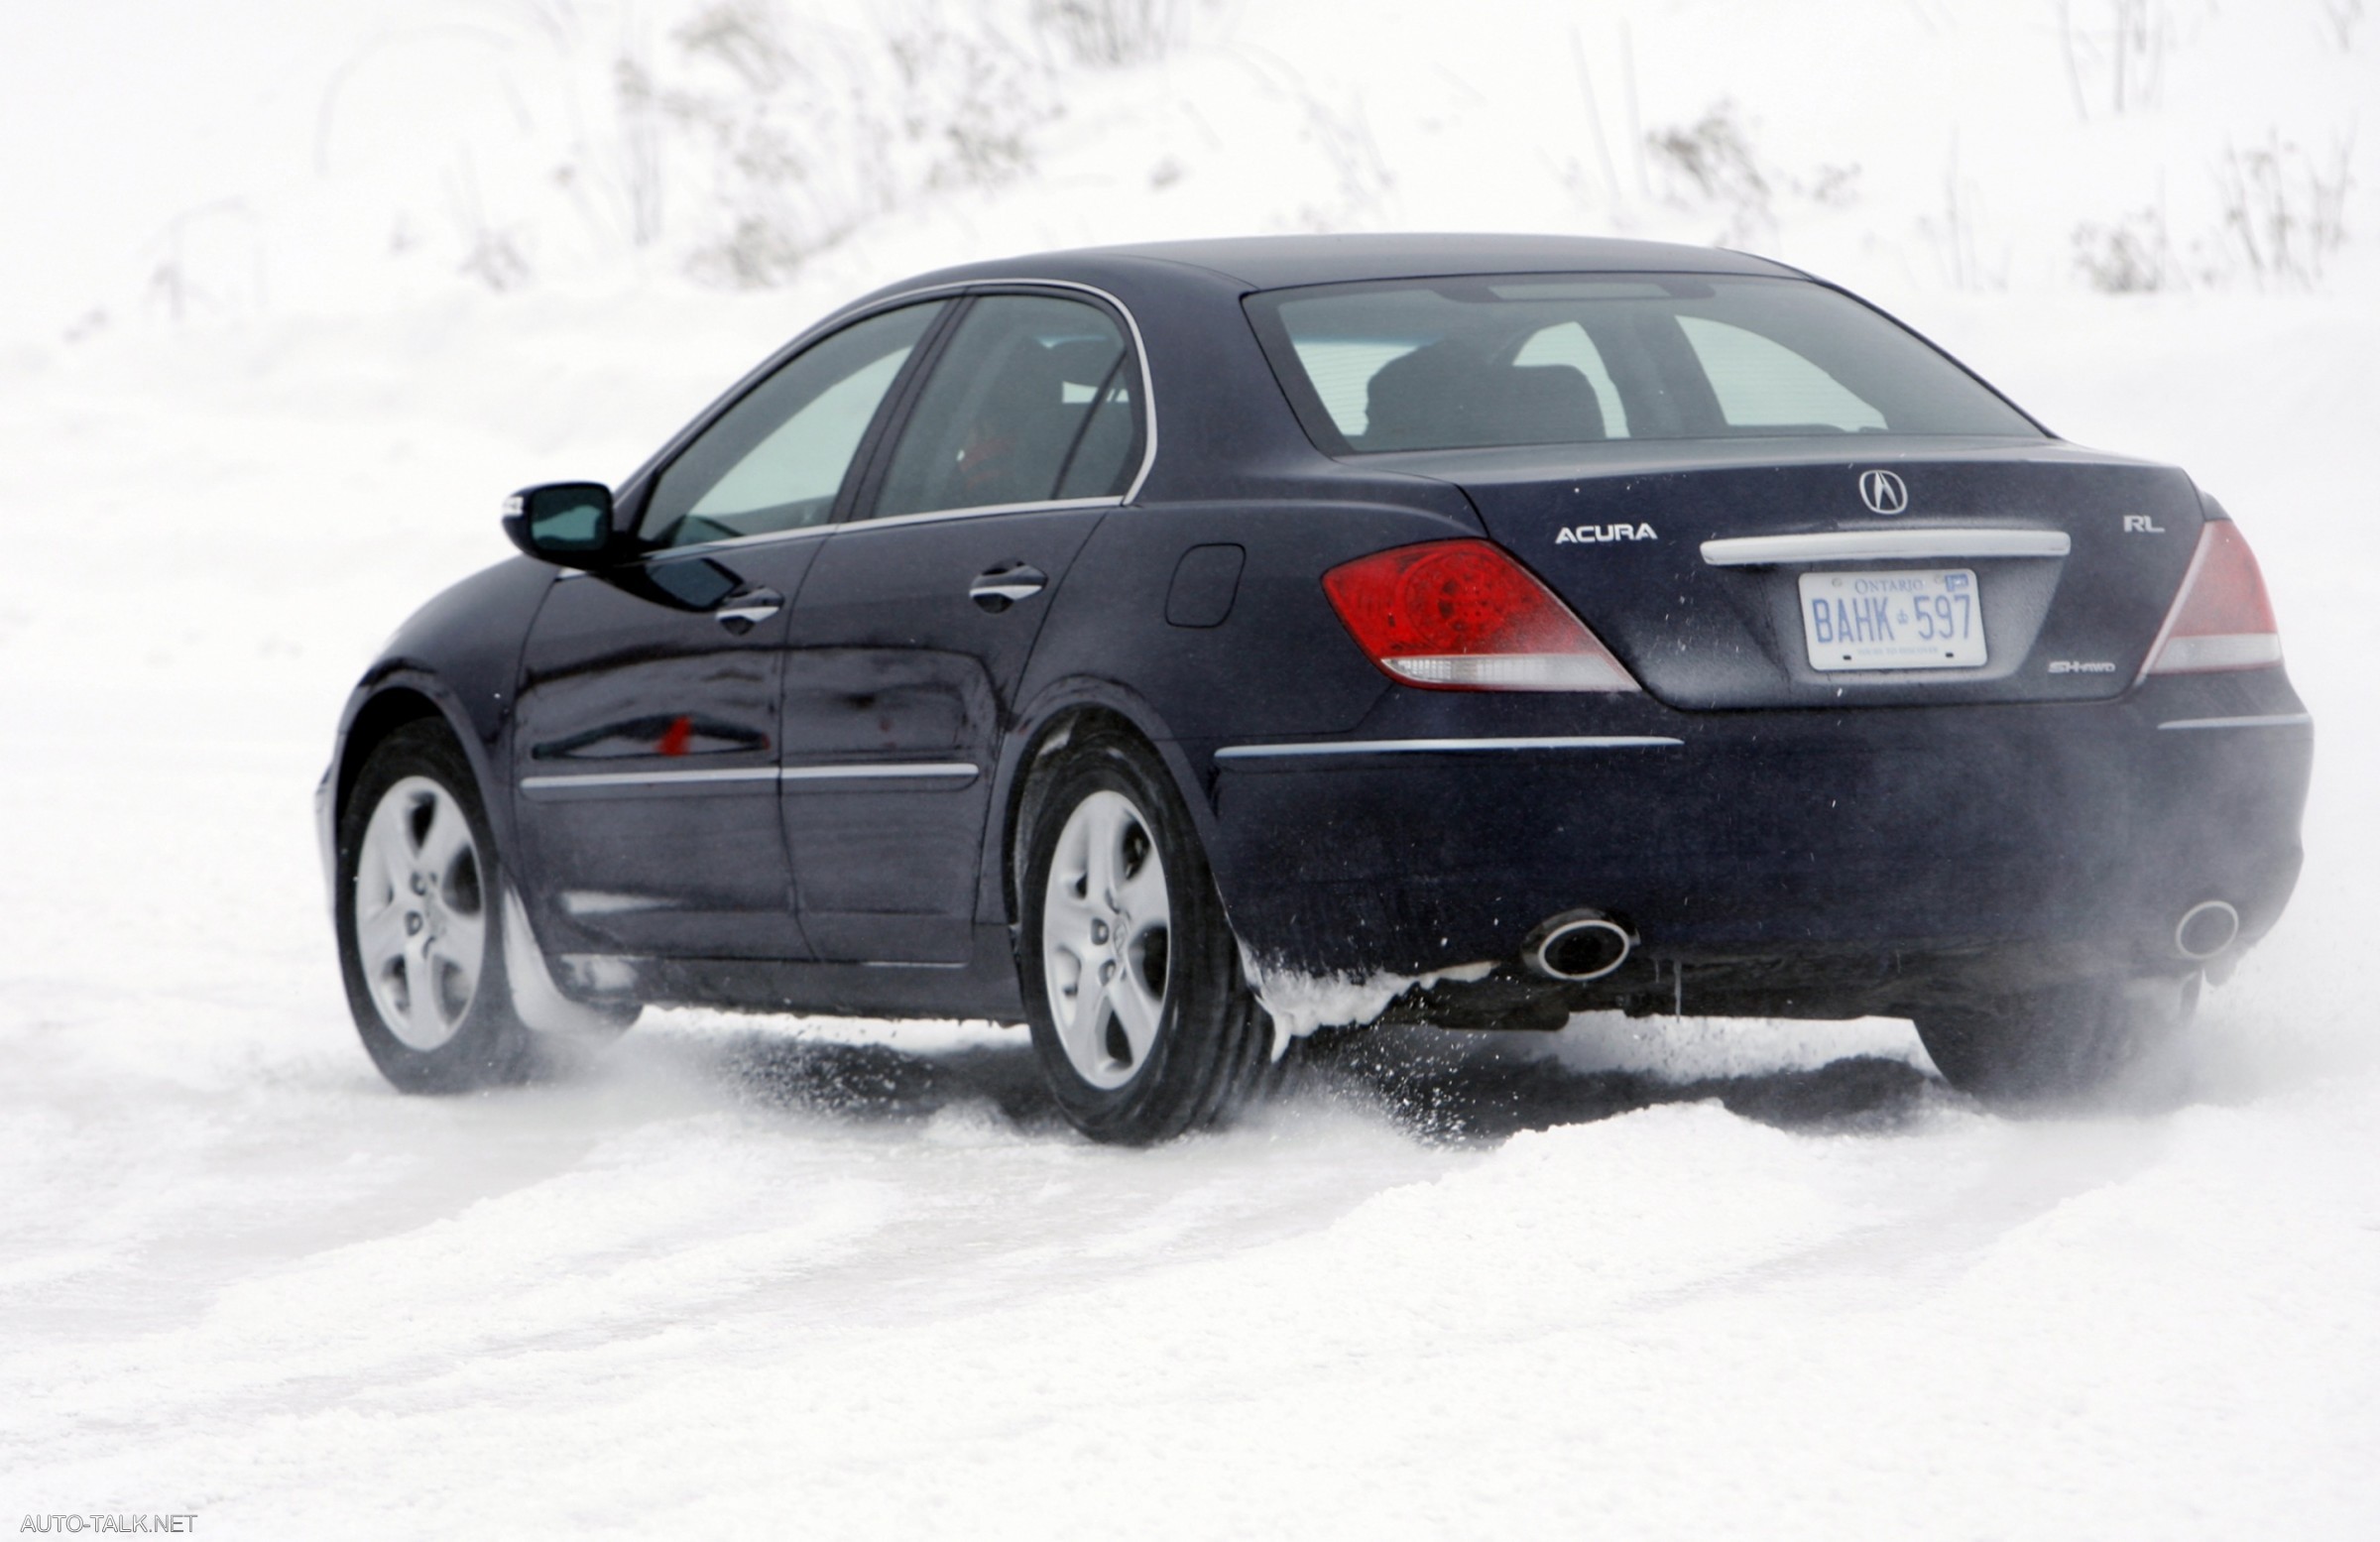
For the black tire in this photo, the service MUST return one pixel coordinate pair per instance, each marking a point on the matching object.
(1211, 1050)
(486, 1043)
(2075, 1043)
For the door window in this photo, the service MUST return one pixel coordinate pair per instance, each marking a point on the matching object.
(1035, 400)
(775, 460)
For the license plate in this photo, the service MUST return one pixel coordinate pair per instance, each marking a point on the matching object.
(1896, 619)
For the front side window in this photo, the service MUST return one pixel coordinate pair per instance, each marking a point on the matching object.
(775, 460)
(1464, 363)
(1036, 400)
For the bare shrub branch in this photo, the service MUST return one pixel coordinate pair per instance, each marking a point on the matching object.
(1712, 163)
(1110, 34)
(2116, 47)
(807, 133)
(2340, 18)
(2284, 212)
(2132, 256)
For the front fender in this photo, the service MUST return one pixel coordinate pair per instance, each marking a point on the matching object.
(458, 659)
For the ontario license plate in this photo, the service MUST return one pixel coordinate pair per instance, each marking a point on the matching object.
(1896, 619)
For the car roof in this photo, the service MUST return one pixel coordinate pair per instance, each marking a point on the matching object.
(1281, 262)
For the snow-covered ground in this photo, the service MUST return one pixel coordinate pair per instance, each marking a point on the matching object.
(1635, 1279)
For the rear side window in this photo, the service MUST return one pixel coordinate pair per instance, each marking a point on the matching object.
(1461, 363)
(1035, 400)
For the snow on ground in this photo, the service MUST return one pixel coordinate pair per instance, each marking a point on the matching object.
(1641, 1278)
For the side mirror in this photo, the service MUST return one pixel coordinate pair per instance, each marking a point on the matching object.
(564, 523)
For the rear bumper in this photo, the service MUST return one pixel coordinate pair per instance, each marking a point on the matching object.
(1784, 861)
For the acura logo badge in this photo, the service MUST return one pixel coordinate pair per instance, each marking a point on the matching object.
(1884, 492)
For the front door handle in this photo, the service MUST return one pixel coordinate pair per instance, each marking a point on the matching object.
(741, 613)
(1005, 584)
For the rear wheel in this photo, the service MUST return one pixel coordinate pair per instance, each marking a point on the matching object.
(421, 923)
(2071, 1043)
(1141, 1019)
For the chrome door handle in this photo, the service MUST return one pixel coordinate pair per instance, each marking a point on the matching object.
(741, 613)
(1005, 585)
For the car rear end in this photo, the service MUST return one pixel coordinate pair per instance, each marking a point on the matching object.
(1792, 670)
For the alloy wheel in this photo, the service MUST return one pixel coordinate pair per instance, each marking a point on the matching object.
(420, 912)
(1107, 920)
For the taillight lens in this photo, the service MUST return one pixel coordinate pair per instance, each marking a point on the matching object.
(1463, 615)
(2222, 619)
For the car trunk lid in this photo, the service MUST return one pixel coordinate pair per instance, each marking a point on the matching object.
(1784, 573)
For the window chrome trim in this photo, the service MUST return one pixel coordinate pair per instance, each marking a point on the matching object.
(1148, 424)
(1132, 324)
(858, 771)
(1883, 546)
(2265, 719)
(762, 539)
(1444, 746)
(1054, 506)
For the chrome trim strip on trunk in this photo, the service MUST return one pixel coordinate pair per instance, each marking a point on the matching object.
(1442, 745)
(2267, 720)
(1883, 546)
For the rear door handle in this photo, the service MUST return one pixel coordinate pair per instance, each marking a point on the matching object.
(740, 613)
(1005, 584)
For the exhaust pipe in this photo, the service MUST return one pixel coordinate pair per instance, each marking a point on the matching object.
(1578, 945)
(2205, 929)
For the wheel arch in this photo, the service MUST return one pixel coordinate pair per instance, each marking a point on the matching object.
(382, 705)
(1068, 709)
(377, 716)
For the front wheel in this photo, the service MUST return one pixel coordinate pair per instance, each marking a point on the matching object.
(1142, 1022)
(2079, 1042)
(421, 939)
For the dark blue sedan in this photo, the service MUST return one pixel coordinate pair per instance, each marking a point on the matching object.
(1151, 643)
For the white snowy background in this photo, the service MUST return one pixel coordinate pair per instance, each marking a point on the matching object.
(292, 293)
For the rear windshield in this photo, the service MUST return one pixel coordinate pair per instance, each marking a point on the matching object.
(1459, 363)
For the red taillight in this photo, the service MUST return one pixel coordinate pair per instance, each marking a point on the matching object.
(2222, 619)
(1463, 615)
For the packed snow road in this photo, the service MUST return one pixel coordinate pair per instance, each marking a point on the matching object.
(837, 1279)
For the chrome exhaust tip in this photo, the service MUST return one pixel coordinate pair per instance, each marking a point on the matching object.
(1578, 945)
(2205, 929)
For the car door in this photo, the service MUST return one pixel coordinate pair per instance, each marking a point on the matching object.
(911, 637)
(646, 748)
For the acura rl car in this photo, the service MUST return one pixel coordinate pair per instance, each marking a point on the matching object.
(1174, 648)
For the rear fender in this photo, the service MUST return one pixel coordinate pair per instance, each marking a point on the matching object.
(1046, 726)
(1268, 658)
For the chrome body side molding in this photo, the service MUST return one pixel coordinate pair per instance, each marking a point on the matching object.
(2265, 719)
(1441, 745)
(962, 772)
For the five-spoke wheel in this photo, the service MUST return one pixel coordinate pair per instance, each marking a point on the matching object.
(1141, 1019)
(421, 920)
(1106, 919)
(420, 912)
